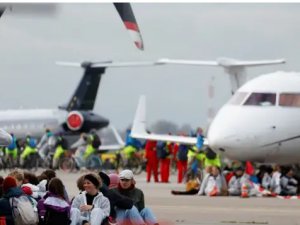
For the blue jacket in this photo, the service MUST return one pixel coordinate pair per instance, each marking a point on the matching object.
(5, 208)
(132, 141)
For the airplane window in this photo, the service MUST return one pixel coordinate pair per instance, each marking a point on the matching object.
(261, 99)
(289, 99)
(237, 98)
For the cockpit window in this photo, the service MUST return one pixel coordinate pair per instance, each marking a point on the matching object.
(261, 99)
(289, 99)
(238, 98)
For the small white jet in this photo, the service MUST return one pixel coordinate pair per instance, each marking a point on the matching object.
(259, 123)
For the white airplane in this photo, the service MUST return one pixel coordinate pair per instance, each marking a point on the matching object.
(260, 122)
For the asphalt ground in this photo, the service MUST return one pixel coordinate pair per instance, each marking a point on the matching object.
(192, 210)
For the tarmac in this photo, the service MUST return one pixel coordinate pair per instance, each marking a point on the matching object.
(194, 210)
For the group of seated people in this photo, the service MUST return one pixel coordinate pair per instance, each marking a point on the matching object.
(244, 182)
(103, 199)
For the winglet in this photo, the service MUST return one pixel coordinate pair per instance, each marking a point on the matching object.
(139, 122)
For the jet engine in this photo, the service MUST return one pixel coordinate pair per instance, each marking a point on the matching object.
(83, 121)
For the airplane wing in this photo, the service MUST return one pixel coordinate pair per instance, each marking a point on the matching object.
(139, 129)
(127, 16)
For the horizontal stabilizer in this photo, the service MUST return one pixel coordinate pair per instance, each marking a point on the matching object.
(224, 62)
(233, 67)
(107, 64)
(139, 131)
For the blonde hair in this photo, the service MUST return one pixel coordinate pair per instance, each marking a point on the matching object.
(17, 174)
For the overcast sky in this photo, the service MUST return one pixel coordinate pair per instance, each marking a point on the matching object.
(29, 47)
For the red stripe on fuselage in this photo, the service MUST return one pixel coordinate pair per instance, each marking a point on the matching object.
(131, 26)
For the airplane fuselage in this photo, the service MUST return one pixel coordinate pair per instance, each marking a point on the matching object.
(261, 122)
(34, 121)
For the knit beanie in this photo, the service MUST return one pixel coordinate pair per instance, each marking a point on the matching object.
(9, 182)
(105, 178)
(114, 180)
(93, 179)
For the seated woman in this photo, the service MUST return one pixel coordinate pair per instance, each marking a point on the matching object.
(213, 184)
(90, 207)
(127, 188)
(53, 208)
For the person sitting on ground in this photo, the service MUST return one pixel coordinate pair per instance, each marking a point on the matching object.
(127, 188)
(53, 208)
(90, 207)
(30, 187)
(45, 177)
(275, 180)
(192, 186)
(235, 182)
(10, 189)
(288, 183)
(119, 204)
(214, 184)
(18, 175)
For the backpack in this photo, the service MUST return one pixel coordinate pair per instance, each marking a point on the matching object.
(161, 150)
(24, 210)
(32, 143)
(182, 153)
(53, 217)
(96, 141)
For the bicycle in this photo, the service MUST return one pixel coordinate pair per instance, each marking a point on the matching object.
(134, 162)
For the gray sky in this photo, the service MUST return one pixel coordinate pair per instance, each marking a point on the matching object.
(31, 45)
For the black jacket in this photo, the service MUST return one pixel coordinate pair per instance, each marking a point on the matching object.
(135, 194)
(116, 200)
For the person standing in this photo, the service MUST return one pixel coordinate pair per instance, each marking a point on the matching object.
(164, 151)
(152, 160)
(182, 160)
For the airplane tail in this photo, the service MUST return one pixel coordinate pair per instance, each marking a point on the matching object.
(85, 94)
(235, 68)
(138, 129)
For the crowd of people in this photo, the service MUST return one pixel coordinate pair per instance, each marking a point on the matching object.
(22, 152)
(102, 199)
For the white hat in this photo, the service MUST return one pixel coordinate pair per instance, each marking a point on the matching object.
(126, 174)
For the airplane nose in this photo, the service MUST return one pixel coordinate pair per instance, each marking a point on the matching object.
(5, 138)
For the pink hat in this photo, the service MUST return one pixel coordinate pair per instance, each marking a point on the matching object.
(114, 180)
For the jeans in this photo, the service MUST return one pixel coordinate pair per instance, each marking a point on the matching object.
(133, 216)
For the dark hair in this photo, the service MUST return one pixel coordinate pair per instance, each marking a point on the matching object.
(93, 178)
(42, 177)
(56, 187)
(31, 178)
(49, 173)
